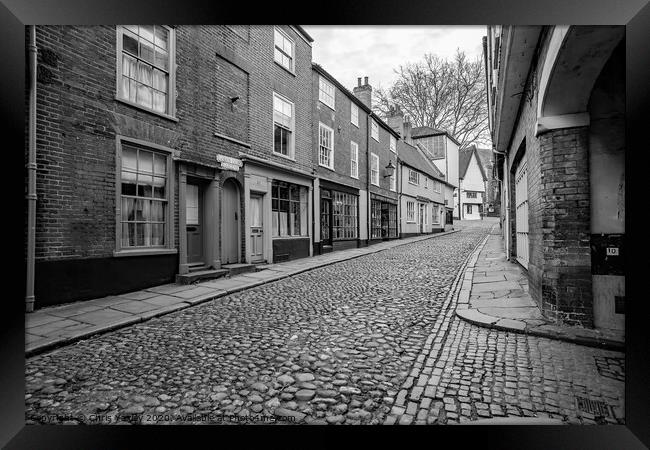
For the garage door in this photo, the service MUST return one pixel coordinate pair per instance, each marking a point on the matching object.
(521, 218)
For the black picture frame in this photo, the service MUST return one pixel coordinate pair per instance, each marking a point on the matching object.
(16, 14)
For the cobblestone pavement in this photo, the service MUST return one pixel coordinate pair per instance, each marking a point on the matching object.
(371, 340)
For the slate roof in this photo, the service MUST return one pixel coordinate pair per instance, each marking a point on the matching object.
(422, 132)
(415, 158)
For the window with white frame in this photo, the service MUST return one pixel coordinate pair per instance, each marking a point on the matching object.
(354, 114)
(144, 197)
(410, 212)
(374, 130)
(284, 50)
(470, 194)
(414, 177)
(326, 92)
(426, 182)
(436, 185)
(288, 209)
(145, 60)
(393, 182)
(283, 123)
(326, 146)
(354, 159)
(393, 144)
(435, 217)
(374, 169)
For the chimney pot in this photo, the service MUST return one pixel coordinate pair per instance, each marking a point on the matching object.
(359, 81)
(365, 80)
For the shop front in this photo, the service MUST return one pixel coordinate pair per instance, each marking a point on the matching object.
(277, 213)
(339, 217)
(383, 218)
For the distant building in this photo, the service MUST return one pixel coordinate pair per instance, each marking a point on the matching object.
(472, 185)
(442, 150)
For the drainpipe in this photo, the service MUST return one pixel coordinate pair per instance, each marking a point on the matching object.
(368, 171)
(31, 173)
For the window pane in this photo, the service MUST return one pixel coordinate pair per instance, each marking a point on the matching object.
(157, 212)
(146, 32)
(146, 51)
(159, 102)
(157, 234)
(133, 90)
(145, 74)
(139, 238)
(145, 95)
(145, 161)
(129, 66)
(161, 37)
(129, 43)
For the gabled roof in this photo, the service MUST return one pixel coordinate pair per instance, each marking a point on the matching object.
(464, 158)
(414, 157)
(422, 132)
(304, 33)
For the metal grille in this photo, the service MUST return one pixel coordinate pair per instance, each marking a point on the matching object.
(521, 205)
(597, 408)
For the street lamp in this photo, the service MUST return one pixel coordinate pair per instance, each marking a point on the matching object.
(390, 169)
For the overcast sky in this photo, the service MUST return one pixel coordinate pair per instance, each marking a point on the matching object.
(349, 52)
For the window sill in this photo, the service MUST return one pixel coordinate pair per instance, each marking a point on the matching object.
(145, 252)
(355, 124)
(375, 184)
(375, 139)
(281, 155)
(414, 184)
(142, 108)
(329, 106)
(284, 68)
(326, 167)
(356, 178)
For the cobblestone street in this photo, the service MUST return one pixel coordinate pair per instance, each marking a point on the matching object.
(371, 340)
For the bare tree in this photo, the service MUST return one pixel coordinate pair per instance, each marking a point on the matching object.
(443, 94)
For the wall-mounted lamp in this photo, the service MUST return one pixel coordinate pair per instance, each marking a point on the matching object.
(390, 169)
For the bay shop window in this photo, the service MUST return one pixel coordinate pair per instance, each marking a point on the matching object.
(345, 213)
(289, 209)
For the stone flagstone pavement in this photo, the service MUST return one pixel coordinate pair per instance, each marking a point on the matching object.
(495, 295)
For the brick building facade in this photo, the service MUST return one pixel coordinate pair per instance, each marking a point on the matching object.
(561, 164)
(145, 136)
(173, 153)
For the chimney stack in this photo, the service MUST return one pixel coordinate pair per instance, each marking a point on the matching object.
(407, 130)
(364, 92)
(396, 119)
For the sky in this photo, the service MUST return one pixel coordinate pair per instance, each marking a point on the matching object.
(349, 52)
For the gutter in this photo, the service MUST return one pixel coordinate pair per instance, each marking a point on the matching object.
(31, 174)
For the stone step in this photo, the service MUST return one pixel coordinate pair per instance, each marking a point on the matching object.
(208, 274)
(236, 269)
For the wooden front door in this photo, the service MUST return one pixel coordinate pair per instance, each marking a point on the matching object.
(521, 216)
(422, 213)
(230, 220)
(193, 222)
(256, 228)
(326, 221)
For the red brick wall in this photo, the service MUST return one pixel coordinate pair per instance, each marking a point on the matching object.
(78, 119)
(558, 207)
(349, 132)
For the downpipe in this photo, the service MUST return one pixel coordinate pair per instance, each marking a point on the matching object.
(31, 173)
